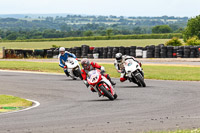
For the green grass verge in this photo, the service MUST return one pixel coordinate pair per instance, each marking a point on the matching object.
(160, 72)
(178, 131)
(67, 44)
(8, 103)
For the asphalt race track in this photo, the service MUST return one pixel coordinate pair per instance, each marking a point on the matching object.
(67, 106)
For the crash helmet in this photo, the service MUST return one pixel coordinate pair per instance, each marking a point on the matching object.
(62, 50)
(118, 57)
(85, 63)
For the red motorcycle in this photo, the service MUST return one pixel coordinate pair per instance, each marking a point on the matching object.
(101, 84)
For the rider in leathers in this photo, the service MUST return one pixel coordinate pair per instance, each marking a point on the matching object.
(62, 57)
(87, 67)
(119, 64)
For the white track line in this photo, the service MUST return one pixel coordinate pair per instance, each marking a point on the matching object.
(32, 72)
(36, 104)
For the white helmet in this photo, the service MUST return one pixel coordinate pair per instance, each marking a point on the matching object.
(118, 57)
(61, 49)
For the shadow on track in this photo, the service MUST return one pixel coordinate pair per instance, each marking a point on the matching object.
(101, 100)
(128, 87)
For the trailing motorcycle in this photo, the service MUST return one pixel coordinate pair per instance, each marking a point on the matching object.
(73, 68)
(101, 84)
(134, 72)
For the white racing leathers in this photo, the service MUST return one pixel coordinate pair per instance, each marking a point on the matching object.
(120, 66)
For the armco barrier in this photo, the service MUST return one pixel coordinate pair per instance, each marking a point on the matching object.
(85, 51)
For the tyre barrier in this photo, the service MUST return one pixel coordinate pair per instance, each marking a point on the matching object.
(85, 51)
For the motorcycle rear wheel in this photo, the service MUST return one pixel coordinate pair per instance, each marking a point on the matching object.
(106, 92)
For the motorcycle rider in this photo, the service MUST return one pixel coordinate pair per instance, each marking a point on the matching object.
(63, 56)
(88, 66)
(119, 64)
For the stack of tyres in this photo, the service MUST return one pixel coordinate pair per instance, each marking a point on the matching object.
(95, 50)
(198, 51)
(73, 50)
(157, 51)
(49, 53)
(69, 50)
(193, 52)
(175, 52)
(105, 51)
(127, 50)
(100, 52)
(110, 52)
(132, 51)
(90, 52)
(40, 53)
(27, 53)
(121, 50)
(19, 53)
(180, 52)
(90, 56)
(150, 51)
(170, 51)
(163, 52)
(78, 52)
(186, 52)
(115, 51)
(139, 52)
(55, 53)
(85, 51)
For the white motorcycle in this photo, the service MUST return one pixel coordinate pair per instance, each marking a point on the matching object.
(73, 68)
(134, 72)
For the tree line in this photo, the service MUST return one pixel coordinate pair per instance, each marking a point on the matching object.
(81, 26)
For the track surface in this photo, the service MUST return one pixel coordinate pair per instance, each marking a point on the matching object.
(68, 106)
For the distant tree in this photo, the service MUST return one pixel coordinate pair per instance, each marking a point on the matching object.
(174, 42)
(193, 28)
(161, 29)
(109, 32)
(88, 33)
(12, 36)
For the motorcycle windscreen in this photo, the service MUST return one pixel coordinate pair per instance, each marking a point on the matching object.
(93, 76)
(129, 62)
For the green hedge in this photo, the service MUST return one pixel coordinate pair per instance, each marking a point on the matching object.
(116, 37)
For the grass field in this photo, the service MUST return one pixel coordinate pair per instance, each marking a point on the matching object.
(178, 131)
(97, 43)
(10, 102)
(161, 72)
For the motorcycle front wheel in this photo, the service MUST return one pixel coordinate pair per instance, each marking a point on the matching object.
(140, 80)
(106, 92)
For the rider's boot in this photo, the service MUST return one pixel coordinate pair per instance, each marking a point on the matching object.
(66, 72)
(112, 82)
(92, 89)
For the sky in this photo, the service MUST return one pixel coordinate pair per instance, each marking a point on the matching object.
(178, 8)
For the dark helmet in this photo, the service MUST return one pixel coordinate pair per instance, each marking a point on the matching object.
(85, 63)
(118, 57)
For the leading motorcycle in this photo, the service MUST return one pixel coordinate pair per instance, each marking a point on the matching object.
(101, 84)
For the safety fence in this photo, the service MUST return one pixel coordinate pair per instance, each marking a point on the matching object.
(85, 51)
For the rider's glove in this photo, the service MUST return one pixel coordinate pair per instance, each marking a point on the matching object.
(123, 71)
(102, 69)
(65, 67)
(76, 58)
(119, 71)
(86, 83)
